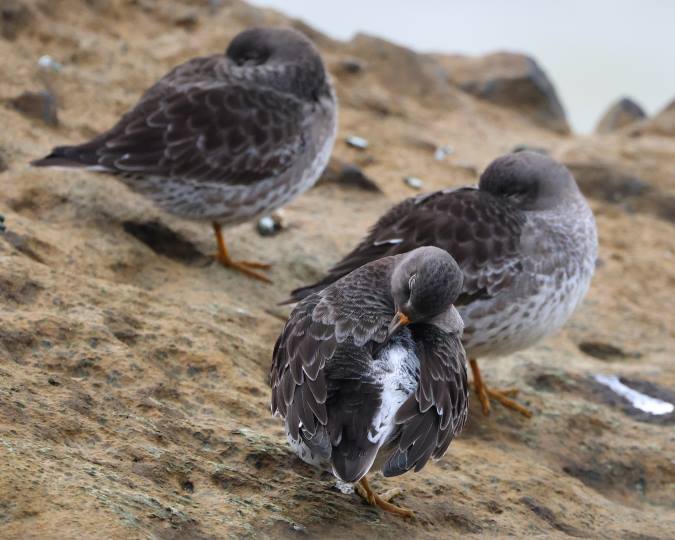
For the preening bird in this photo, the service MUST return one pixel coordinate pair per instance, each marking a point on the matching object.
(370, 373)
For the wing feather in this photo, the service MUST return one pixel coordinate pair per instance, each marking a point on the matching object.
(203, 124)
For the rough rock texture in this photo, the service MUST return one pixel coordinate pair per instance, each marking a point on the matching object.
(509, 80)
(662, 123)
(133, 393)
(620, 114)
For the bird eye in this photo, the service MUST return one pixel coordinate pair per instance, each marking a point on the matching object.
(411, 281)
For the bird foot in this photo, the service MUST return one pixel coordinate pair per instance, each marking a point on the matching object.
(246, 267)
(391, 493)
(363, 488)
(502, 396)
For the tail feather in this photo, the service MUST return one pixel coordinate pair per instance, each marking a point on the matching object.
(64, 156)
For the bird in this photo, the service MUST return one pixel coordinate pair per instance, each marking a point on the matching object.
(370, 373)
(526, 241)
(223, 138)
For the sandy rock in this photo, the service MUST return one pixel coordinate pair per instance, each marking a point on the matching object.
(133, 372)
(509, 80)
(620, 114)
(662, 123)
(15, 15)
(402, 70)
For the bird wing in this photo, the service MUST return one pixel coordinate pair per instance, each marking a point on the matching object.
(200, 124)
(477, 229)
(320, 366)
(430, 418)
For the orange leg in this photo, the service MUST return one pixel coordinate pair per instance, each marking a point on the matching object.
(484, 393)
(245, 267)
(364, 489)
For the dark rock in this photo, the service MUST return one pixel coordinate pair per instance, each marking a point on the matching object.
(347, 174)
(510, 80)
(604, 351)
(2, 223)
(609, 183)
(549, 517)
(606, 182)
(350, 66)
(623, 112)
(14, 17)
(3, 160)
(41, 105)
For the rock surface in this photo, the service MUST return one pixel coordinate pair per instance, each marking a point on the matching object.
(133, 373)
(620, 114)
(663, 123)
(509, 80)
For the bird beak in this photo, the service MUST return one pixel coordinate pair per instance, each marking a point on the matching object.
(399, 320)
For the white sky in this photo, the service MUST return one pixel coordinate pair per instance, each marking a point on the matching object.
(595, 51)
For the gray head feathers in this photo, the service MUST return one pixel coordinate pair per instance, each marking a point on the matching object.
(425, 283)
(529, 180)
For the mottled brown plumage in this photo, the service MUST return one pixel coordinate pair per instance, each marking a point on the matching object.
(525, 240)
(370, 371)
(223, 138)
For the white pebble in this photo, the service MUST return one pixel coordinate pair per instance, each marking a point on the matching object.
(413, 182)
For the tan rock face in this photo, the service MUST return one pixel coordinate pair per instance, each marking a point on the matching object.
(662, 123)
(133, 373)
(620, 114)
(510, 80)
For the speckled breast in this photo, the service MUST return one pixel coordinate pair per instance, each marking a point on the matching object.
(537, 304)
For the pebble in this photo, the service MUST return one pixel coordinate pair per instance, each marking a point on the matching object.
(351, 66)
(48, 63)
(442, 152)
(357, 142)
(414, 182)
(270, 225)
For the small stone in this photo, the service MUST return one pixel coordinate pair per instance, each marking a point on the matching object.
(2, 223)
(344, 487)
(298, 528)
(347, 174)
(187, 20)
(270, 225)
(351, 66)
(357, 142)
(47, 63)
(414, 182)
(442, 152)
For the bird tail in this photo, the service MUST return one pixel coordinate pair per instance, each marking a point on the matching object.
(63, 156)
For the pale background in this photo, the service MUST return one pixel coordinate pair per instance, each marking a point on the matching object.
(595, 51)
